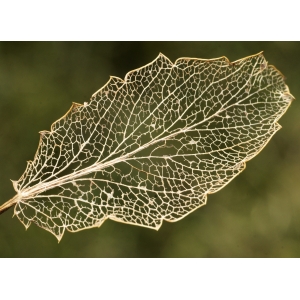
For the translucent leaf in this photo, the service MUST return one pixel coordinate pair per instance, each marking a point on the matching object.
(152, 146)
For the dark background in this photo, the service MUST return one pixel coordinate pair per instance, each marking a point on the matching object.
(256, 215)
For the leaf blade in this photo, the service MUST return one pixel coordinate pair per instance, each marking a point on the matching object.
(150, 148)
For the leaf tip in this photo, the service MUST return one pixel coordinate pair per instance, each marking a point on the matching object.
(287, 97)
(157, 227)
(162, 55)
(59, 237)
(15, 184)
(75, 105)
(27, 225)
(43, 133)
(278, 127)
(115, 79)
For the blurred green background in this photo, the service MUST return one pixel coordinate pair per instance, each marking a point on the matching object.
(256, 215)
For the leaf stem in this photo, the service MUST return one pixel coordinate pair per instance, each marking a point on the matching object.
(9, 203)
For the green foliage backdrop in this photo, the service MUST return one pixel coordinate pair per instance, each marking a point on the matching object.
(256, 215)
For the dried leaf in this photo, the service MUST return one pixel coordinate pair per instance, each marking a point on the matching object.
(151, 147)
